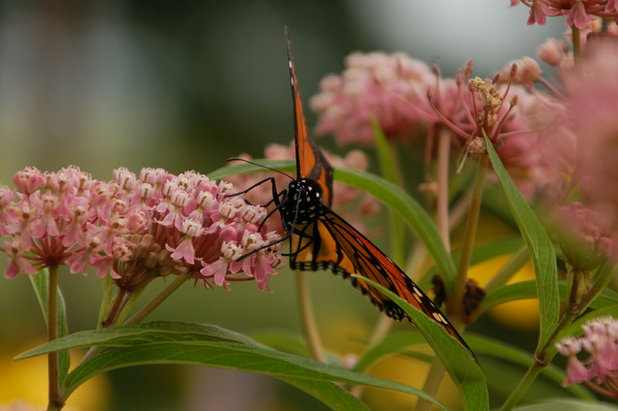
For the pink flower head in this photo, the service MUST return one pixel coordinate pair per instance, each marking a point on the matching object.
(579, 12)
(599, 370)
(133, 229)
(373, 87)
(474, 107)
(591, 105)
(583, 234)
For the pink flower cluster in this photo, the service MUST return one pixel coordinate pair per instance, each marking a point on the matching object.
(374, 86)
(599, 370)
(393, 91)
(583, 234)
(352, 204)
(133, 228)
(580, 136)
(579, 12)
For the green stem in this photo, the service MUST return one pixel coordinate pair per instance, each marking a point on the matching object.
(307, 317)
(576, 38)
(541, 358)
(55, 402)
(106, 298)
(128, 306)
(442, 216)
(155, 302)
(455, 300)
(431, 385)
(508, 270)
(119, 302)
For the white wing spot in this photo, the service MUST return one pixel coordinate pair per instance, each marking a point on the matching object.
(439, 317)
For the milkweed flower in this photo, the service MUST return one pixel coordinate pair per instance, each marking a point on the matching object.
(582, 146)
(584, 235)
(580, 13)
(373, 87)
(133, 228)
(473, 107)
(599, 370)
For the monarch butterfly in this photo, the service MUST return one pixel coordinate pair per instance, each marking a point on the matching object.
(321, 239)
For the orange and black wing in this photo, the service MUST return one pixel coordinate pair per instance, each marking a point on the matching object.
(332, 243)
(310, 162)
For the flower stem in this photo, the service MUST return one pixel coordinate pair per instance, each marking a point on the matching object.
(308, 318)
(455, 300)
(576, 38)
(541, 358)
(119, 302)
(442, 217)
(155, 302)
(106, 298)
(431, 385)
(55, 403)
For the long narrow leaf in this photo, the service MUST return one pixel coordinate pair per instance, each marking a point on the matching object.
(183, 343)
(458, 362)
(527, 289)
(539, 245)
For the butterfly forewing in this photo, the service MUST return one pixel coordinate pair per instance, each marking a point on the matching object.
(310, 162)
(321, 239)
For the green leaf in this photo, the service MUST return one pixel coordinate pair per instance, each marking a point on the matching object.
(456, 359)
(392, 343)
(539, 246)
(567, 405)
(410, 211)
(183, 343)
(40, 284)
(388, 167)
(527, 289)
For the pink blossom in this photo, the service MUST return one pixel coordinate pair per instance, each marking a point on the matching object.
(134, 229)
(579, 12)
(584, 235)
(472, 107)
(599, 370)
(373, 87)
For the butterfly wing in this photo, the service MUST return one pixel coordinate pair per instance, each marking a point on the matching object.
(332, 243)
(310, 162)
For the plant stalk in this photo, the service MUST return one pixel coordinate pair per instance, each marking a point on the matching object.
(455, 300)
(155, 302)
(55, 403)
(431, 385)
(442, 216)
(307, 317)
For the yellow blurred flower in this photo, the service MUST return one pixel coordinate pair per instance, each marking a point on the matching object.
(409, 371)
(24, 385)
(521, 314)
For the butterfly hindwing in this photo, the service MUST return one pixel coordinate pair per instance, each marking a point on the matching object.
(332, 243)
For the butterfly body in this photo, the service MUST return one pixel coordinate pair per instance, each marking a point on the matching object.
(320, 239)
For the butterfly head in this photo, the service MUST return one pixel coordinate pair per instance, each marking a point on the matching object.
(302, 201)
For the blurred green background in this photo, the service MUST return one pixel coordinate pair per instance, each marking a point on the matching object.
(185, 85)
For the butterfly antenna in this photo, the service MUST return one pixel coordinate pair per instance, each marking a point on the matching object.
(260, 165)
